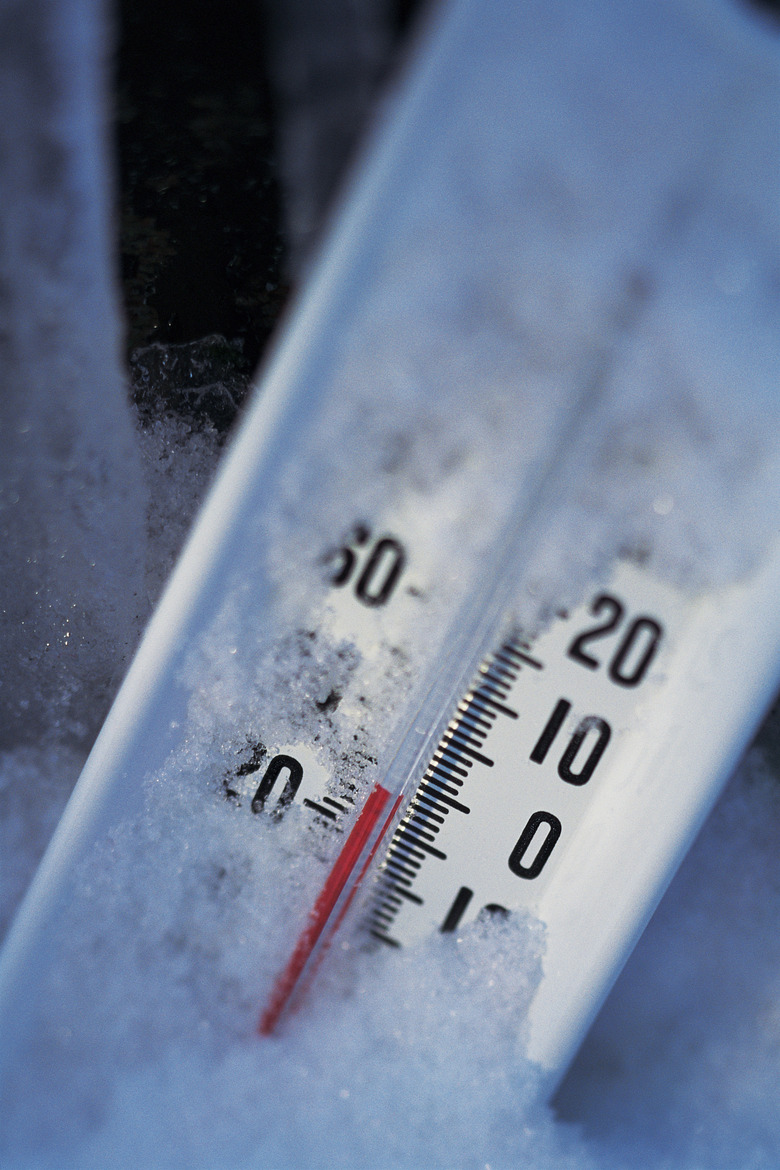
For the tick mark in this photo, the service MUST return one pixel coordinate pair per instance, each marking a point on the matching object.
(457, 910)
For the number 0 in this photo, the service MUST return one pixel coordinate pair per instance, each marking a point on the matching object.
(638, 648)
(530, 854)
(386, 562)
(279, 764)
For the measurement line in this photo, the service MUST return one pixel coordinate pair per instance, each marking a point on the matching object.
(457, 909)
(437, 786)
(496, 674)
(467, 751)
(493, 703)
(404, 865)
(461, 734)
(324, 906)
(487, 692)
(422, 828)
(385, 938)
(495, 668)
(442, 770)
(470, 719)
(505, 656)
(409, 851)
(402, 858)
(385, 912)
(439, 761)
(329, 800)
(429, 800)
(534, 662)
(326, 812)
(449, 769)
(439, 796)
(429, 817)
(407, 835)
(491, 687)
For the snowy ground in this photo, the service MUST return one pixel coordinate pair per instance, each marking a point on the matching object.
(681, 1069)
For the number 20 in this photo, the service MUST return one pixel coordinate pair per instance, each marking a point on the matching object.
(635, 652)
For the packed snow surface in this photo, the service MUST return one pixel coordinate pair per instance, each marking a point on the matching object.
(557, 344)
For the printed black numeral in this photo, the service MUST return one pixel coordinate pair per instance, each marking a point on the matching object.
(457, 910)
(587, 765)
(636, 651)
(279, 764)
(602, 604)
(379, 575)
(534, 845)
(637, 648)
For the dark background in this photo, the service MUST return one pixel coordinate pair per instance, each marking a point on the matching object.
(235, 121)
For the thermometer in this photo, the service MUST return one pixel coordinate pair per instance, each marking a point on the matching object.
(482, 608)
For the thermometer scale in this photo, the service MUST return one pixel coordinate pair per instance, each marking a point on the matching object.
(528, 752)
(576, 770)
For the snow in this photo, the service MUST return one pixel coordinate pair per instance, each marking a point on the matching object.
(699, 1001)
(71, 499)
(414, 1060)
(138, 1003)
(176, 465)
